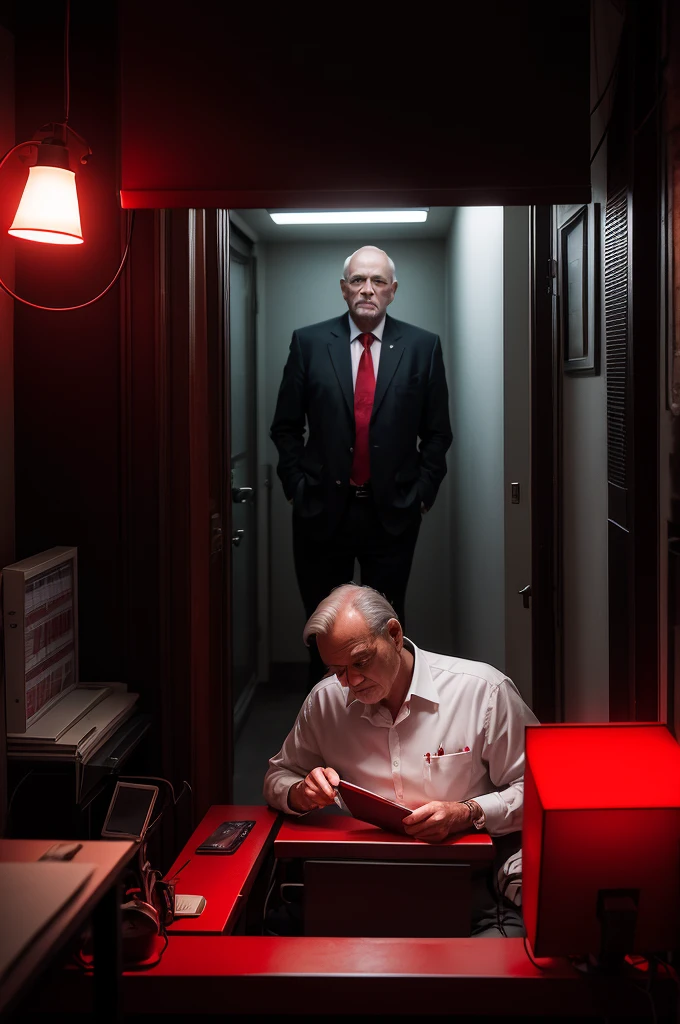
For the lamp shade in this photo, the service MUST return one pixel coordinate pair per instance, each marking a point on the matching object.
(48, 210)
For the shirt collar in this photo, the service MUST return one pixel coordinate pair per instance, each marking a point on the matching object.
(422, 684)
(355, 331)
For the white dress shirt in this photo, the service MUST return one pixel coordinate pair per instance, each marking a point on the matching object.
(458, 704)
(356, 348)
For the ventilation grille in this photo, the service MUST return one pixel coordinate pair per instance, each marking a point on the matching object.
(616, 331)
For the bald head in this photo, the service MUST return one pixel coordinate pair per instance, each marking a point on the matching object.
(368, 286)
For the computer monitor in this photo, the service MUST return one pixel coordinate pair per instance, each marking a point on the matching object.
(601, 840)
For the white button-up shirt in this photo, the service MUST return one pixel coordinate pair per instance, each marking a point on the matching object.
(356, 348)
(472, 710)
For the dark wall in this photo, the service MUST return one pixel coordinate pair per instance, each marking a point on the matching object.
(67, 365)
(476, 103)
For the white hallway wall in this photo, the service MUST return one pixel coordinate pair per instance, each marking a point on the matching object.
(476, 458)
(299, 286)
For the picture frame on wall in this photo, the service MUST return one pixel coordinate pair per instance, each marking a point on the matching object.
(40, 616)
(578, 249)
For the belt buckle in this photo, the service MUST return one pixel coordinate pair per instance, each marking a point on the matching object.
(361, 491)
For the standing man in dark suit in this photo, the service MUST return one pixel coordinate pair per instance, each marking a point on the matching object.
(368, 388)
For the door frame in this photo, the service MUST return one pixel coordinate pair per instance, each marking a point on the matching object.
(183, 432)
(240, 250)
(547, 699)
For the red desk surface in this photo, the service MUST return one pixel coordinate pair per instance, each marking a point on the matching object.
(258, 974)
(224, 880)
(335, 836)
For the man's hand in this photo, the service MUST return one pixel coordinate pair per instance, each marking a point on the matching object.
(435, 821)
(316, 790)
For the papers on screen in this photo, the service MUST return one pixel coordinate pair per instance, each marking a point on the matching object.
(368, 806)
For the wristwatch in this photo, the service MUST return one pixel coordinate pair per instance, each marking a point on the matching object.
(474, 809)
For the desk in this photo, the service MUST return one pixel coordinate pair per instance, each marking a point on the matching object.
(352, 871)
(224, 880)
(99, 897)
(357, 976)
(337, 836)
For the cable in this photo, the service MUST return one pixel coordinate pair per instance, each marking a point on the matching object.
(545, 967)
(596, 68)
(14, 793)
(645, 119)
(175, 800)
(611, 73)
(603, 136)
(272, 880)
(81, 305)
(155, 778)
(144, 966)
(88, 965)
(67, 71)
(19, 145)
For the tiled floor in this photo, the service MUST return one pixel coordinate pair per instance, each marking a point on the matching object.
(271, 715)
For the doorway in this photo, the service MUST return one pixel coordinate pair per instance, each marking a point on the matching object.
(465, 276)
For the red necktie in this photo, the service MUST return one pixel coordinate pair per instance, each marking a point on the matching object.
(364, 392)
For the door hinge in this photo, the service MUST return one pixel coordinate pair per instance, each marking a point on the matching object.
(551, 276)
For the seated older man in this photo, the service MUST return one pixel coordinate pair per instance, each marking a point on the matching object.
(439, 734)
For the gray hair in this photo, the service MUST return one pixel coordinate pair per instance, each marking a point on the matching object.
(376, 610)
(345, 269)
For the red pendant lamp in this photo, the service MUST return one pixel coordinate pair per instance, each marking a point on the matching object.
(48, 211)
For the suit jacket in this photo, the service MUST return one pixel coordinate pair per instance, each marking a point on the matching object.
(411, 402)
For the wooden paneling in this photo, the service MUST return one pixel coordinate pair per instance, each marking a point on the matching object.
(191, 617)
(67, 365)
(490, 106)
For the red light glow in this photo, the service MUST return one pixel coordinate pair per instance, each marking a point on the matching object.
(48, 210)
(601, 814)
(581, 766)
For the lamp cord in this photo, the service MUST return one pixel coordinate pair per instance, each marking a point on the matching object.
(82, 305)
(67, 72)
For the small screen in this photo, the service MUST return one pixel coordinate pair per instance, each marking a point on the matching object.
(129, 809)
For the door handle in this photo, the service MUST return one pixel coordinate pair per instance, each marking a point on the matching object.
(239, 495)
(237, 537)
(215, 533)
(525, 593)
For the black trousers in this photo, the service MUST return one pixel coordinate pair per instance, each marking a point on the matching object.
(324, 561)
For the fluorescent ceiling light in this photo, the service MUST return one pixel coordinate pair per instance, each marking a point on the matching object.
(349, 216)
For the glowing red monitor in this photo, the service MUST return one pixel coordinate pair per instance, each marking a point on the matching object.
(601, 839)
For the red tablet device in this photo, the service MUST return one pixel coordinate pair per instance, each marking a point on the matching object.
(370, 807)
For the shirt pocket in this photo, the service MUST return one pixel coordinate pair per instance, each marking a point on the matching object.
(447, 777)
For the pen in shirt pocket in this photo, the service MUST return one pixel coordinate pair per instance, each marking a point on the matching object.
(440, 752)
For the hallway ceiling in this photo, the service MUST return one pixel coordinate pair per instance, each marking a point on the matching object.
(436, 226)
